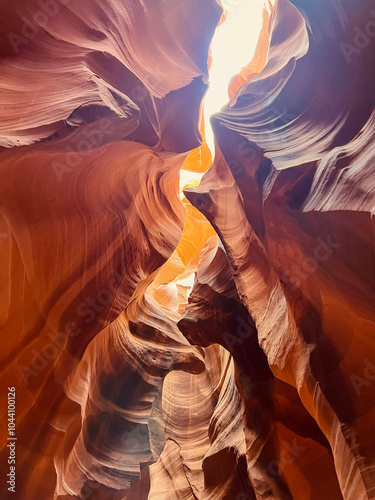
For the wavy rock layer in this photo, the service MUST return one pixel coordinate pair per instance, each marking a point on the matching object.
(213, 346)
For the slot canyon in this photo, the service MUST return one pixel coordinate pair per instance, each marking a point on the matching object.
(187, 192)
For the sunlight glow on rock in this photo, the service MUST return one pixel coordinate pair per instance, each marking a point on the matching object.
(232, 48)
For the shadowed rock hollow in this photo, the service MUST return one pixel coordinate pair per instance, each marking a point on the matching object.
(215, 343)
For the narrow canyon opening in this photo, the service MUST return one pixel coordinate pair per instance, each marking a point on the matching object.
(232, 48)
(187, 311)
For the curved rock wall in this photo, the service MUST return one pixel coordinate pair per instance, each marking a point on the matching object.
(216, 344)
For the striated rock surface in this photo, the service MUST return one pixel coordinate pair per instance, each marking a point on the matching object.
(215, 343)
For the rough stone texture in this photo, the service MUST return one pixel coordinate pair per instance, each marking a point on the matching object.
(253, 380)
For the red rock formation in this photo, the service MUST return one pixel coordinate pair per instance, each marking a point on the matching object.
(217, 346)
(295, 261)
